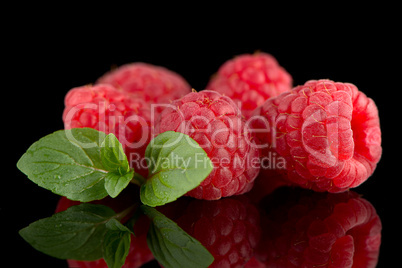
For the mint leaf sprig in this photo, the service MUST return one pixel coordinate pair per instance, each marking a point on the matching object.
(77, 233)
(80, 164)
(88, 232)
(84, 165)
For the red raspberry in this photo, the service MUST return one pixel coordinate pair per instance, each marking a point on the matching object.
(111, 110)
(328, 133)
(302, 228)
(251, 79)
(154, 84)
(229, 228)
(139, 252)
(215, 123)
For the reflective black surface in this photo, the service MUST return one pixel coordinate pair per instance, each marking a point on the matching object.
(44, 70)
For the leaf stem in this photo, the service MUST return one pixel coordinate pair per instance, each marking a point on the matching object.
(119, 216)
(138, 179)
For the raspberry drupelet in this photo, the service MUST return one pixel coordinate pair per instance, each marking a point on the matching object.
(105, 108)
(154, 84)
(251, 80)
(215, 123)
(328, 133)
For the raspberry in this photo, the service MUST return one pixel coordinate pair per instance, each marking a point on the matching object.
(154, 84)
(229, 228)
(328, 134)
(251, 79)
(302, 228)
(139, 252)
(215, 123)
(111, 110)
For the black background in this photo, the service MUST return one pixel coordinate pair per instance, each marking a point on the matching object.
(48, 58)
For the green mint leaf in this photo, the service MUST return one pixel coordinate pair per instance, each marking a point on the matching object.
(172, 246)
(67, 162)
(71, 163)
(116, 247)
(177, 164)
(115, 161)
(115, 183)
(115, 225)
(113, 156)
(76, 233)
(116, 244)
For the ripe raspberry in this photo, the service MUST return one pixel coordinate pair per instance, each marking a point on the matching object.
(215, 123)
(302, 228)
(229, 228)
(110, 110)
(154, 84)
(251, 79)
(328, 133)
(139, 252)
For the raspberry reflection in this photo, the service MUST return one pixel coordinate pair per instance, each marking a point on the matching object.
(139, 253)
(302, 228)
(228, 228)
(291, 227)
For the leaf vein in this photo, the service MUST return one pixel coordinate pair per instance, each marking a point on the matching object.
(82, 149)
(70, 164)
